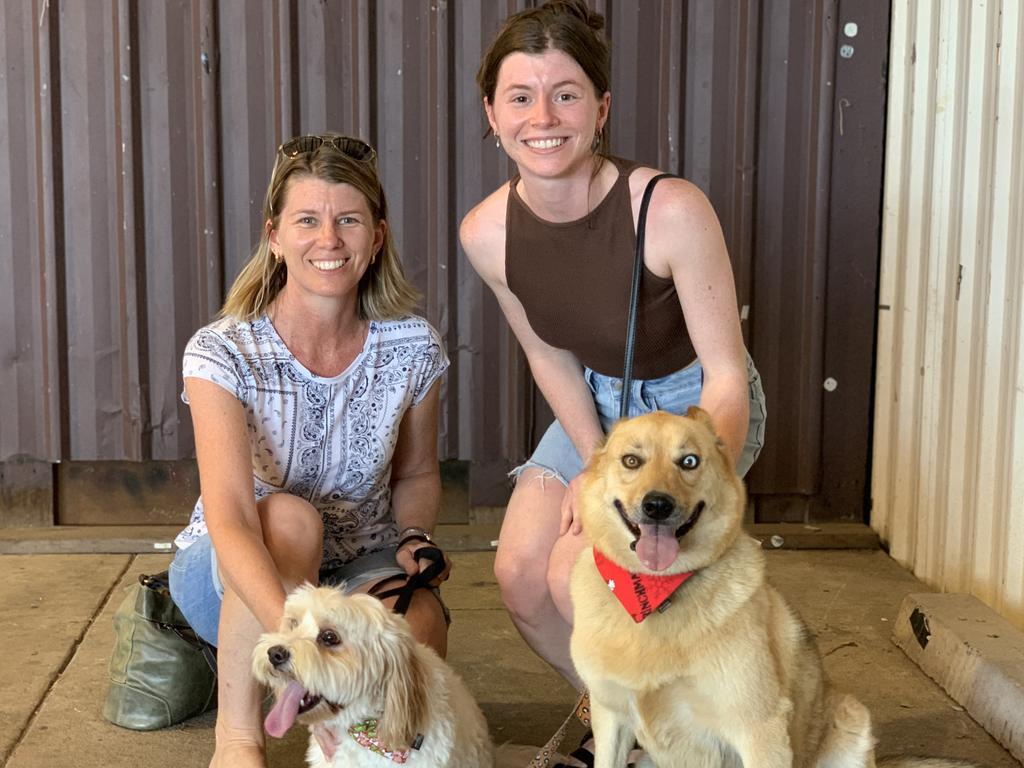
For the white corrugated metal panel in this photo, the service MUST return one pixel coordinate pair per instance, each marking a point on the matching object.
(948, 467)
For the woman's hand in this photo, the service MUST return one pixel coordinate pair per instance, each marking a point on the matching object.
(571, 521)
(406, 557)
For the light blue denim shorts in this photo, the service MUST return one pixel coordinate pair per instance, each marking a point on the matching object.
(556, 456)
(197, 590)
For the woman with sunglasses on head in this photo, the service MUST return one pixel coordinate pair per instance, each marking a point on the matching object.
(568, 217)
(314, 399)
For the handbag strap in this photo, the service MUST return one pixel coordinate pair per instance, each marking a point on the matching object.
(634, 293)
(160, 582)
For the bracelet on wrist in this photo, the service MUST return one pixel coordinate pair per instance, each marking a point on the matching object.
(412, 533)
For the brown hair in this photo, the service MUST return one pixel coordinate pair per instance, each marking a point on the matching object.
(384, 291)
(568, 26)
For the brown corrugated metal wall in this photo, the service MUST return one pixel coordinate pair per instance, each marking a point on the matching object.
(138, 139)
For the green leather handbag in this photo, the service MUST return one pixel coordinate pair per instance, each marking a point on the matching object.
(161, 672)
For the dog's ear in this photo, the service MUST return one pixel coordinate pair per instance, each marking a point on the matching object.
(405, 691)
(701, 416)
(697, 413)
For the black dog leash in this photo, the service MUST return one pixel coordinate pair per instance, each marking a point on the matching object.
(420, 580)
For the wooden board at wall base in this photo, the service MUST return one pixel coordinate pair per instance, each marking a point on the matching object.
(126, 492)
(26, 493)
(974, 654)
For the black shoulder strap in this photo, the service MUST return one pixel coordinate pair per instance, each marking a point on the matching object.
(634, 295)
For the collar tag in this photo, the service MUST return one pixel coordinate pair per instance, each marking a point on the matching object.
(640, 594)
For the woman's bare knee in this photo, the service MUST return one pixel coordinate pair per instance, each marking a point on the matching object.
(426, 619)
(522, 582)
(527, 537)
(293, 533)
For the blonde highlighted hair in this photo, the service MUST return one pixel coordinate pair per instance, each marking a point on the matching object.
(384, 291)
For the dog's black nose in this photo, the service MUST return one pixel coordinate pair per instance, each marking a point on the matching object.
(658, 506)
(278, 655)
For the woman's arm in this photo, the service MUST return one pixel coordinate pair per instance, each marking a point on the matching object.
(685, 240)
(229, 503)
(415, 474)
(557, 372)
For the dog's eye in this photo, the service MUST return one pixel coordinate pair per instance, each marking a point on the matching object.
(328, 637)
(689, 461)
(632, 461)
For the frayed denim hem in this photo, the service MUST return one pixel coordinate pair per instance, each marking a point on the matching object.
(546, 473)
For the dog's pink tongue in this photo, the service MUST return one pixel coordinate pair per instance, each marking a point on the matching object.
(657, 546)
(285, 710)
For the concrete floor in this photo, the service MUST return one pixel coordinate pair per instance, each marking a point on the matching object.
(55, 627)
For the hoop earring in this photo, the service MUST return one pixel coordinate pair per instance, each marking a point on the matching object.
(278, 257)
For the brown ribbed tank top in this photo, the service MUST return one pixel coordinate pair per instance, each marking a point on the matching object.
(573, 280)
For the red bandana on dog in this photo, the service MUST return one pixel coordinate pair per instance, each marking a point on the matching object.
(640, 594)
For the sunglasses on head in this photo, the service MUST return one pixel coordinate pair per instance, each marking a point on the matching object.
(355, 149)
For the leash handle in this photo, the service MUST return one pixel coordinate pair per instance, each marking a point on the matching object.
(421, 580)
(634, 293)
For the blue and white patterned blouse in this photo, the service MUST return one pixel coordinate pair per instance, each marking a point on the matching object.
(327, 440)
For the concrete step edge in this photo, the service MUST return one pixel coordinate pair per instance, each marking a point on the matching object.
(976, 655)
(456, 537)
(115, 539)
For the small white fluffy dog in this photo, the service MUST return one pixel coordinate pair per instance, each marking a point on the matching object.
(347, 663)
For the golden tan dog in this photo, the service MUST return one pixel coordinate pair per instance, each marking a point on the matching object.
(723, 674)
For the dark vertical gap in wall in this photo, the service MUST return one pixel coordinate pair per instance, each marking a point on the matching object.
(139, 217)
(371, 71)
(885, 42)
(295, 89)
(755, 143)
(59, 240)
(452, 236)
(212, 47)
(684, 74)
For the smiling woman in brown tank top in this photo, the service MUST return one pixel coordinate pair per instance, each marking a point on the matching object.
(556, 246)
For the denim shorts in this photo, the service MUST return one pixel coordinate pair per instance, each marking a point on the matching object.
(556, 456)
(197, 589)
